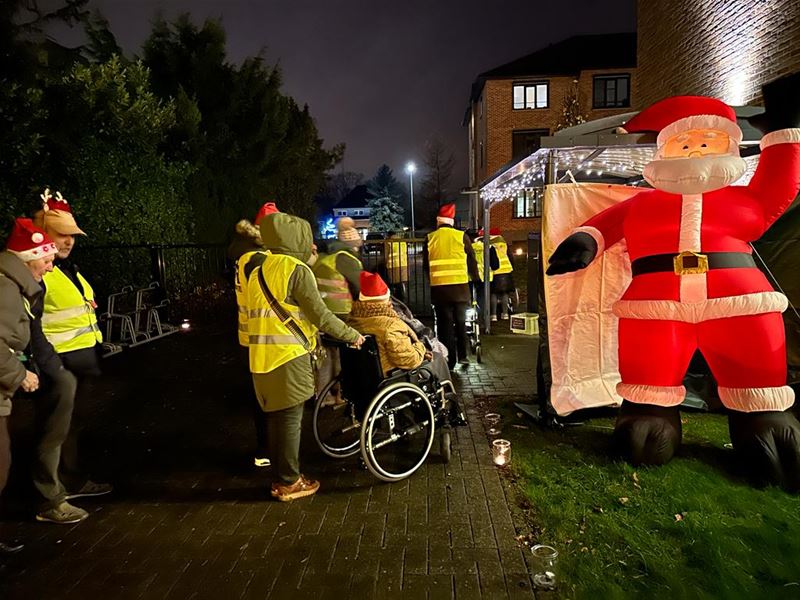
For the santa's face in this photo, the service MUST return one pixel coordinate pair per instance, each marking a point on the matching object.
(694, 162)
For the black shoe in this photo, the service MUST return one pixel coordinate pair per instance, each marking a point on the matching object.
(456, 415)
(90, 489)
(10, 547)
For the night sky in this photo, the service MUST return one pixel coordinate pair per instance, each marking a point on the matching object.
(383, 77)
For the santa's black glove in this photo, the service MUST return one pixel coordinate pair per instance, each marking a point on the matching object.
(574, 253)
(781, 105)
(645, 434)
(768, 446)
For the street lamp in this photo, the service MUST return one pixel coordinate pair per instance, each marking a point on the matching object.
(410, 168)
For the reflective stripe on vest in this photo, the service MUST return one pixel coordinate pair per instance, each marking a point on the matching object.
(332, 285)
(69, 321)
(397, 260)
(502, 255)
(240, 285)
(446, 257)
(271, 342)
(477, 247)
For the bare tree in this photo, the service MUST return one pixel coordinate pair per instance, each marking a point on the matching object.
(439, 162)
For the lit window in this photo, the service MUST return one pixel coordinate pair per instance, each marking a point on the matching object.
(531, 95)
(527, 204)
(611, 91)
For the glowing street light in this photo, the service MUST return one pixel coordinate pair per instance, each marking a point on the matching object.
(410, 169)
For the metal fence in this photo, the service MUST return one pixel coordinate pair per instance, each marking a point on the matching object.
(417, 286)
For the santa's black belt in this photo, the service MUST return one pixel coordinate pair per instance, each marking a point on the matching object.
(688, 263)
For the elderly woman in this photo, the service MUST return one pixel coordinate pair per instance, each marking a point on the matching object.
(398, 345)
(28, 256)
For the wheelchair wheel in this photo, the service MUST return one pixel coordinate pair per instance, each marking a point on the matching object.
(336, 426)
(398, 431)
(444, 445)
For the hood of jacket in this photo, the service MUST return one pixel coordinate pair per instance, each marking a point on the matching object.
(13, 268)
(335, 246)
(287, 234)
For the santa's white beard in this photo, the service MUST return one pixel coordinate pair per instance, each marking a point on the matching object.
(694, 175)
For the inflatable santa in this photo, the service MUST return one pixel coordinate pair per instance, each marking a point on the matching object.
(694, 282)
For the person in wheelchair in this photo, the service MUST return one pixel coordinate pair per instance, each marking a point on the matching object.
(398, 345)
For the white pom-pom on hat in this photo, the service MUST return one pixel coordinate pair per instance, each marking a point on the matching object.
(37, 238)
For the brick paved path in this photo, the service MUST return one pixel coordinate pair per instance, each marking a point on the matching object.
(189, 519)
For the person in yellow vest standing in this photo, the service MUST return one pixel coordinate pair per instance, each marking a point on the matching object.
(397, 266)
(285, 311)
(69, 323)
(28, 255)
(477, 248)
(451, 264)
(503, 278)
(246, 245)
(338, 275)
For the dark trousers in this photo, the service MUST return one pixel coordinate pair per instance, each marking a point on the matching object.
(452, 329)
(283, 434)
(399, 291)
(5, 453)
(53, 407)
(259, 423)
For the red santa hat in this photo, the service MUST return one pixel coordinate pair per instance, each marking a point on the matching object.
(28, 242)
(373, 288)
(495, 231)
(269, 208)
(447, 214)
(677, 114)
(56, 214)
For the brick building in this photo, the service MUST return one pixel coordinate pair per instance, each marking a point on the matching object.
(514, 105)
(721, 48)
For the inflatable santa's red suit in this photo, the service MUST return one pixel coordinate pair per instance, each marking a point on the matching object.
(695, 284)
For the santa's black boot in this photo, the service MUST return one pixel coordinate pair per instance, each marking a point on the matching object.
(646, 434)
(768, 446)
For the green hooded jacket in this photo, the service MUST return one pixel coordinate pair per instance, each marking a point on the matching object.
(293, 383)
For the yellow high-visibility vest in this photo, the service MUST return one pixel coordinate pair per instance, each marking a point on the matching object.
(446, 257)
(397, 260)
(240, 286)
(502, 255)
(69, 321)
(271, 342)
(332, 285)
(477, 247)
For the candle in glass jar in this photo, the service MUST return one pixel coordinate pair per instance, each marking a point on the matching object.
(501, 452)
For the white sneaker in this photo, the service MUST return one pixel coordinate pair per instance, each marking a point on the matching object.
(494, 318)
(504, 317)
(261, 462)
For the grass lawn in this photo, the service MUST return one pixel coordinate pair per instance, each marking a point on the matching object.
(690, 529)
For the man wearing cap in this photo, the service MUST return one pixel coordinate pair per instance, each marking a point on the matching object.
(69, 323)
(502, 277)
(246, 246)
(28, 255)
(695, 284)
(338, 281)
(451, 265)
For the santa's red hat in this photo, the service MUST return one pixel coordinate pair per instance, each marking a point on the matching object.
(373, 288)
(495, 231)
(269, 208)
(674, 115)
(28, 242)
(447, 214)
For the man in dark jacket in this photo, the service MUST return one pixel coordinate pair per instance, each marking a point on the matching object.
(451, 264)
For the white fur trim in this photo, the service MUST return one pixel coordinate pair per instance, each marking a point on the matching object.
(757, 399)
(48, 249)
(691, 222)
(445, 220)
(698, 312)
(247, 229)
(701, 122)
(364, 298)
(652, 394)
(596, 235)
(782, 136)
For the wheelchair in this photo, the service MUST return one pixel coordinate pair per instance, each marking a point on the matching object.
(392, 420)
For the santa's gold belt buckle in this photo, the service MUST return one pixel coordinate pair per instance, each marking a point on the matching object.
(690, 263)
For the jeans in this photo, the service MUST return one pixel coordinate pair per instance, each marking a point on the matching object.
(283, 434)
(503, 299)
(259, 424)
(451, 322)
(53, 410)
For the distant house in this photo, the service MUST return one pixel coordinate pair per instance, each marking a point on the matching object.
(514, 105)
(354, 205)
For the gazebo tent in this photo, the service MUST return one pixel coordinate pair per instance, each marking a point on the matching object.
(594, 152)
